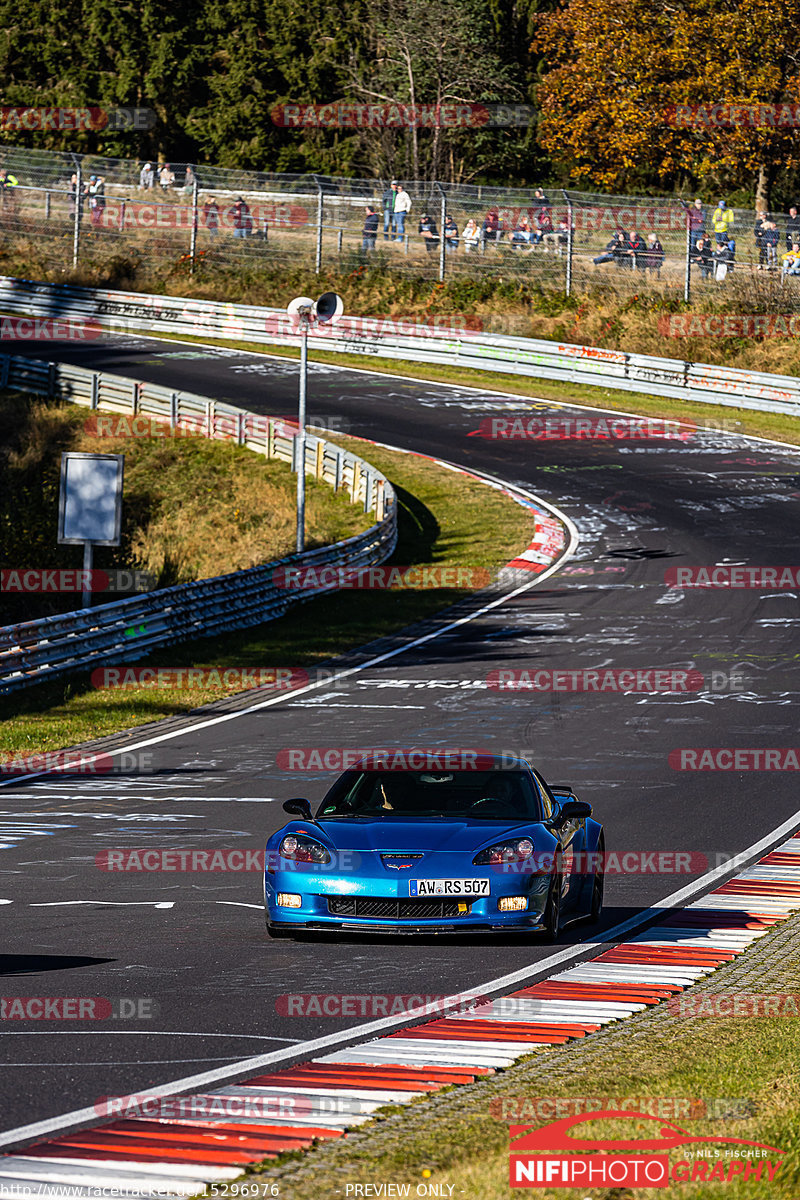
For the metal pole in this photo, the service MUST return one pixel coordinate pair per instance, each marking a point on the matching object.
(47, 206)
(568, 281)
(318, 257)
(687, 274)
(86, 600)
(442, 217)
(301, 434)
(76, 235)
(193, 241)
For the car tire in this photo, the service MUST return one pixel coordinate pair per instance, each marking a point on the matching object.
(552, 912)
(598, 888)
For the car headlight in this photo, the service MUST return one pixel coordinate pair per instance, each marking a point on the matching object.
(505, 852)
(303, 849)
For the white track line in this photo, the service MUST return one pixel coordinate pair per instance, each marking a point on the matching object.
(360, 1033)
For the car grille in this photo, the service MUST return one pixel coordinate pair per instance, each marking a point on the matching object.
(368, 906)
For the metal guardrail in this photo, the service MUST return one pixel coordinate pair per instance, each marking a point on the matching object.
(586, 365)
(126, 629)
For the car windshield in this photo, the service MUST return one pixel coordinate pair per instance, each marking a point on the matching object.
(417, 795)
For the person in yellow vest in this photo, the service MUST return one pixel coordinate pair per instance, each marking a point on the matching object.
(722, 221)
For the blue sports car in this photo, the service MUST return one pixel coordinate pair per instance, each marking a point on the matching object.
(492, 847)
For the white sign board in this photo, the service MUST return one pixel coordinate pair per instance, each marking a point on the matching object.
(90, 501)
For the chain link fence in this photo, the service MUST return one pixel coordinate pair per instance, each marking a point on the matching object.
(65, 212)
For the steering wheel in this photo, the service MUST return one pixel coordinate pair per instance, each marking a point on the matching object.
(494, 800)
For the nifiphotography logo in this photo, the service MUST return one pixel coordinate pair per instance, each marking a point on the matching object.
(607, 1163)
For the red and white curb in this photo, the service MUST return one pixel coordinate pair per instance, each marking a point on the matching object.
(323, 1098)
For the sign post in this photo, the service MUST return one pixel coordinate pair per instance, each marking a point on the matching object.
(90, 506)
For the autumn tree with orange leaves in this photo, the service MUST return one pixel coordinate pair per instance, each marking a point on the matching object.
(620, 73)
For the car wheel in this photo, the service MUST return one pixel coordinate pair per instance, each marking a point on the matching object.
(598, 886)
(597, 897)
(552, 912)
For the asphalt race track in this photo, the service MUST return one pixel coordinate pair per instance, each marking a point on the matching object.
(190, 950)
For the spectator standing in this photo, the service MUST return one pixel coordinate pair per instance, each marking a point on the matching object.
(241, 219)
(722, 221)
(758, 234)
(769, 242)
(427, 227)
(562, 234)
(792, 227)
(387, 200)
(471, 235)
(450, 234)
(72, 195)
(402, 207)
(189, 181)
(211, 218)
(654, 255)
(370, 230)
(97, 200)
(146, 177)
(697, 219)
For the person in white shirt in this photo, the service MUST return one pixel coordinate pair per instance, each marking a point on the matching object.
(402, 205)
(471, 236)
(146, 177)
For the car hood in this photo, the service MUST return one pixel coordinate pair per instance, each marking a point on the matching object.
(396, 836)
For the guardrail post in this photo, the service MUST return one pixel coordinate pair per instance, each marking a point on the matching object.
(270, 439)
(337, 470)
(318, 255)
(47, 206)
(367, 490)
(568, 281)
(173, 410)
(5, 364)
(209, 418)
(51, 379)
(121, 223)
(320, 458)
(240, 428)
(380, 501)
(193, 236)
(339, 241)
(95, 395)
(76, 233)
(135, 398)
(442, 219)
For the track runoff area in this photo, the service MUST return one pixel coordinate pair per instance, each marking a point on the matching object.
(692, 782)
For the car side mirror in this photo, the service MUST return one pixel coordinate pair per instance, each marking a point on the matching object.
(298, 808)
(573, 810)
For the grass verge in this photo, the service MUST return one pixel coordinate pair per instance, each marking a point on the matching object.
(745, 1070)
(446, 520)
